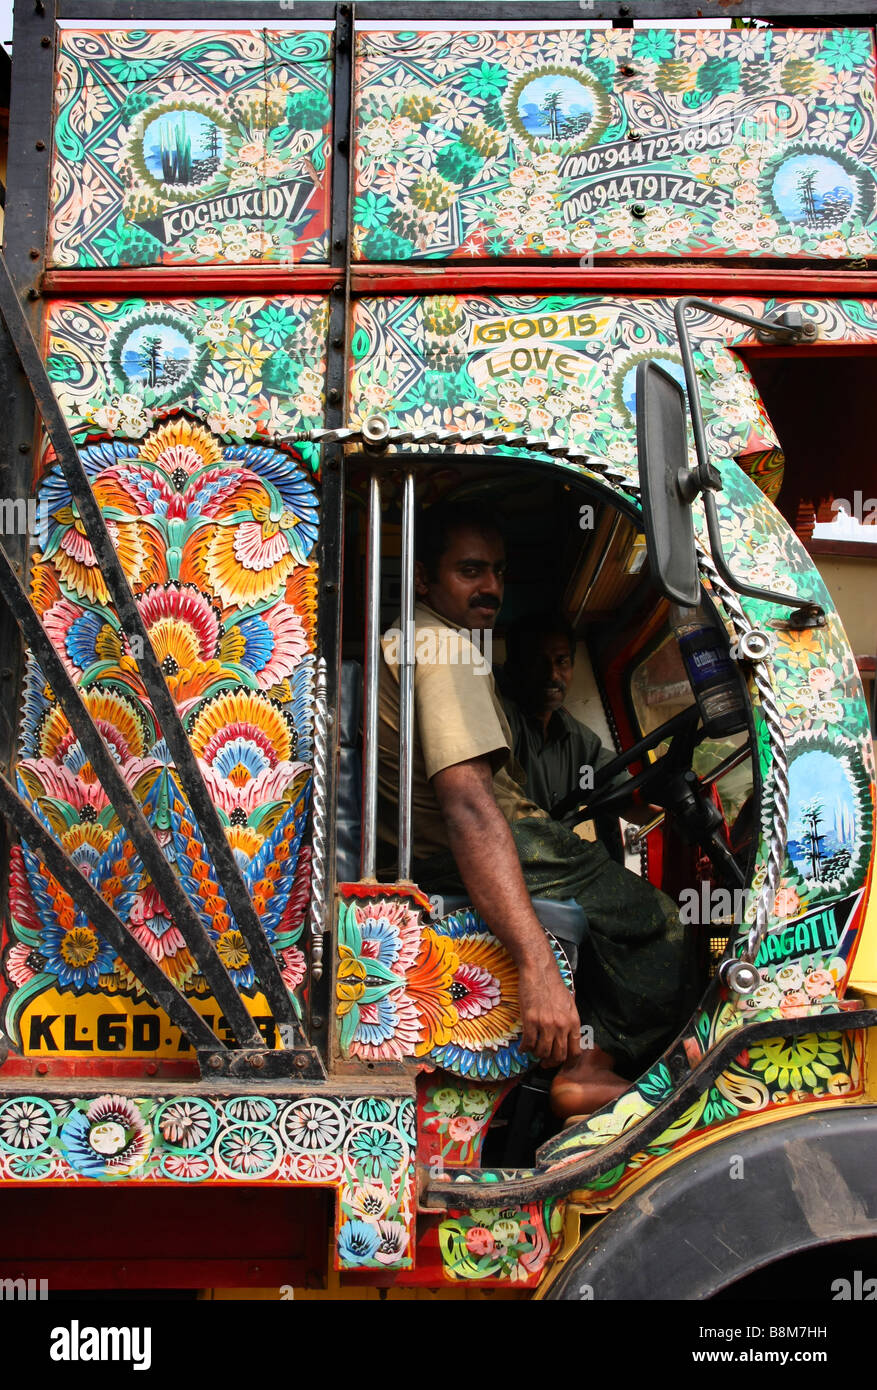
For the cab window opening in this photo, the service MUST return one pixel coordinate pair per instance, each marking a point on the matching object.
(570, 547)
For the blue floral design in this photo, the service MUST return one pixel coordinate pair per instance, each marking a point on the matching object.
(358, 1242)
(81, 942)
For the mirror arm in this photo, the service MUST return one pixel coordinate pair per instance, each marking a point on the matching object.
(705, 480)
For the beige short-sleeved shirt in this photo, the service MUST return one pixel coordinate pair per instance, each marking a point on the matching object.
(457, 716)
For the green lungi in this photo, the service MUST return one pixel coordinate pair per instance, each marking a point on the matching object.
(634, 981)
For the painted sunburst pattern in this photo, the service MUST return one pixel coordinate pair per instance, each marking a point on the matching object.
(445, 992)
(217, 543)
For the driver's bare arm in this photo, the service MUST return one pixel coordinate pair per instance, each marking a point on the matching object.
(484, 851)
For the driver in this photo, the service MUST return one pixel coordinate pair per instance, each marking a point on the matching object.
(476, 831)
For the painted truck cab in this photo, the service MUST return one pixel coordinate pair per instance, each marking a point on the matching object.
(256, 351)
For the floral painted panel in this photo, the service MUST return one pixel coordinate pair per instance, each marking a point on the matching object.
(770, 1077)
(453, 1119)
(217, 544)
(498, 1245)
(823, 713)
(565, 365)
(248, 367)
(362, 1146)
(217, 540)
(444, 993)
(190, 147)
(616, 142)
(558, 365)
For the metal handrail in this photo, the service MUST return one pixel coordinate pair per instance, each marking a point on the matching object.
(406, 680)
(372, 658)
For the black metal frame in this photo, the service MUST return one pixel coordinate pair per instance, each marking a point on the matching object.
(480, 11)
(24, 234)
(331, 545)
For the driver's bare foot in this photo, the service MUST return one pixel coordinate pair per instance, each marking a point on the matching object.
(587, 1085)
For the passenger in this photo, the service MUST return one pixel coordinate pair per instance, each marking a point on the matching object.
(475, 831)
(556, 752)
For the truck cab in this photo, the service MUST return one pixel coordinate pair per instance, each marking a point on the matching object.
(271, 288)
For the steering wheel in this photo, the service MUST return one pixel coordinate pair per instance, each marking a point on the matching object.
(684, 736)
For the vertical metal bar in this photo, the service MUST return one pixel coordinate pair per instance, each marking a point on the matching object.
(406, 679)
(372, 657)
(318, 824)
(330, 551)
(24, 233)
(25, 228)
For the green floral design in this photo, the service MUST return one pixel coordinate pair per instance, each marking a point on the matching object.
(779, 1071)
(255, 369)
(845, 50)
(247, 116)
(433, 361)
(718, 106)
(511, 1245)
(457, 1113)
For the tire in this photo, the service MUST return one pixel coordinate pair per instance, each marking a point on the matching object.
(736, 1206)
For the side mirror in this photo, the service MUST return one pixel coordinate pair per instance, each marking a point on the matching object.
(662, 448)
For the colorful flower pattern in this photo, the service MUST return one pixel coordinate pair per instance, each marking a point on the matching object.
(552, 365)
(190, 147)
(194, 1138)
(250, 368)
(217, 543)
(454, 1117)
(443, 992)
(779, 1072)
(649, 143)
(498, 1245)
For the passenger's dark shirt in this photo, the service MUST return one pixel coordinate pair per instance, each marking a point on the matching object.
(553, 757)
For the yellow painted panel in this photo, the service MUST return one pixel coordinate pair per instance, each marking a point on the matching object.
(58, 1023)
